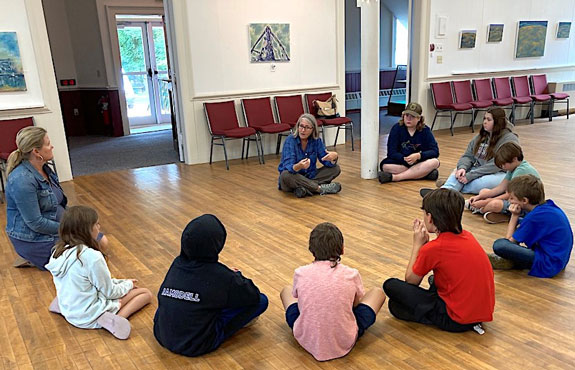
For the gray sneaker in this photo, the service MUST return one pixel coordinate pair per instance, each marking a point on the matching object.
(331, 188)
(500, 263)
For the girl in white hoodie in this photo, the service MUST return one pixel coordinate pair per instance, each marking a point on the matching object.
(87, 296)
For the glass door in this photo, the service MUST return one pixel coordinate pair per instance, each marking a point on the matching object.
(144, 72)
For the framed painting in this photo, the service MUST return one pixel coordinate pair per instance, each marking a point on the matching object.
(563, 30)
(531, 37)
(11, 72)
(495, 33)
(269, 42)
(467, 39)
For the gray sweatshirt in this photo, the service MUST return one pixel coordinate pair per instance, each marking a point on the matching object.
(476, 167)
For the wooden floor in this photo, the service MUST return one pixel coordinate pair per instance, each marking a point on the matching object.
(143, 212)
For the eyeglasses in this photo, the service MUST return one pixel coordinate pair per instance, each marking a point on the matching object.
(302, 127)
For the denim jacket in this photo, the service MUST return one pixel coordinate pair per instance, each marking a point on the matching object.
(31, 205)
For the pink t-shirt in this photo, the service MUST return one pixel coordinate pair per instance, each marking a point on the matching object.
(326, 327)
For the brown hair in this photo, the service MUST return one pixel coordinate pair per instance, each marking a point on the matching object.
(420, 125)
(446, 209)
(499, 124)
(76, 230)
(507, 152)
(311, 119)
(326, 243)
(527, 186)
(27, 139)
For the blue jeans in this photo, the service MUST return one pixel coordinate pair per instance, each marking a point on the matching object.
(233, 319)
(522, 257)
(474, 186)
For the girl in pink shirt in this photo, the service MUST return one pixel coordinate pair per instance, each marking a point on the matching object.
(327, 308)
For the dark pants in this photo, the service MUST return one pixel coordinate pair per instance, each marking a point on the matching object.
(522, 257)
(290, 181)
(412, 303)
(233, 319)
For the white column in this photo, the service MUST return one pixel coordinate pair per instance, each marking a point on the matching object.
(369, 87)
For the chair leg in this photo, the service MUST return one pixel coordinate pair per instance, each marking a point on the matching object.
(323, 134)
(452, 121)
(567, 108)
(351, 131)
(3, 190)
(248, 148)
(513, 113)
(243, 146)
(279, 143)
(225, 153)
(532, 112)
(550, 110)
(434, 117)
(211, 149)
(336, 135)
(263, 161)
(473, 114)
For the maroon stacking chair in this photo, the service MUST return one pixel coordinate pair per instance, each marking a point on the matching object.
(443, 103)
(484, 92)
(339, 122)
(503, 95)
(522, 83)
(289, 109)
(540, 87)
(522, 95)
(259, 115)
(9, 129)
(464, 94)
(223, 125)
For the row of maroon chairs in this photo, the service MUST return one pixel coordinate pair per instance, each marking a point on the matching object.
(258, 114)
(470, 97)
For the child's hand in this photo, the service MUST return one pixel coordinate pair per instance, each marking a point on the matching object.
(412, 158)
(420, 234)
(134, 281)
(515, 209)
(459, 174)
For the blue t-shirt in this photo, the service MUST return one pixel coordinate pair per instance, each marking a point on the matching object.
(547, 231)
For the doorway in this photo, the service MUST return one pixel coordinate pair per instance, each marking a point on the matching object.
(144, 76)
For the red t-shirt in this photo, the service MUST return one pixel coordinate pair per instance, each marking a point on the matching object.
(463, 276)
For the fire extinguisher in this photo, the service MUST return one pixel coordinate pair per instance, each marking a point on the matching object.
(104, 105)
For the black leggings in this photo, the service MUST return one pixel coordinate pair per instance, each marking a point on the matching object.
(413, 303)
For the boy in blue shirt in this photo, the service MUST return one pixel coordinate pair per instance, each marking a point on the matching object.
(545, 231)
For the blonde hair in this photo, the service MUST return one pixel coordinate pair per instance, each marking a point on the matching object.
(27, 139)
(311, 119)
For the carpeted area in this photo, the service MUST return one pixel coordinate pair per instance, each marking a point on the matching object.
(94, 154)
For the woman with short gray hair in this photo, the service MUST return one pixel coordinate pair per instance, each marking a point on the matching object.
(301, 151)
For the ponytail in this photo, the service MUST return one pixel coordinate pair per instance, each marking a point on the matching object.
(27, 139)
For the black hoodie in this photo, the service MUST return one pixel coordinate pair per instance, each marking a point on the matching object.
(197, 288)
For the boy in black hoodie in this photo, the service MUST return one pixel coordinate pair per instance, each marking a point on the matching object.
(202, 302)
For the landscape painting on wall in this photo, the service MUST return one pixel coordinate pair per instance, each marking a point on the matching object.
(269, 42)
(495, 33)
(531, 39)
(467, 39)
(11, 72)
(563, 30)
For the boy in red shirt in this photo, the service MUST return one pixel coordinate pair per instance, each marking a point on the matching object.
(462, 291)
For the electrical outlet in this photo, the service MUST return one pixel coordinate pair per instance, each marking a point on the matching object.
(76, 112)
(439, 48)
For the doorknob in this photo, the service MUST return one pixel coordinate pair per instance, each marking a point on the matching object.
(155, 72)
(150, 72)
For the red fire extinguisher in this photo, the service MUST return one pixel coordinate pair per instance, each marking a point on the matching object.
(104, 109)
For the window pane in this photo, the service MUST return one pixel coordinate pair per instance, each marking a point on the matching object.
(132, 49)
(401, 41)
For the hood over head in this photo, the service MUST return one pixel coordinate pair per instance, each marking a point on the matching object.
(203, 239)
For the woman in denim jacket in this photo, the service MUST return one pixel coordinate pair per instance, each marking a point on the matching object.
(34, 198)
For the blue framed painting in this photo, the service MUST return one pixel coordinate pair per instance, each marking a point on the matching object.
(563, 30)
(495, 33)
(531, 37)
(467, 39)
(11, 72)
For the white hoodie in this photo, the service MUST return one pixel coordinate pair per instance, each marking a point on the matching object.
(85, 287)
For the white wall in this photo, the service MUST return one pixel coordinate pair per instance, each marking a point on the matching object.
(491, 57)
(49, 115)
(213, 59)
(485, 60)
(353, 36)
